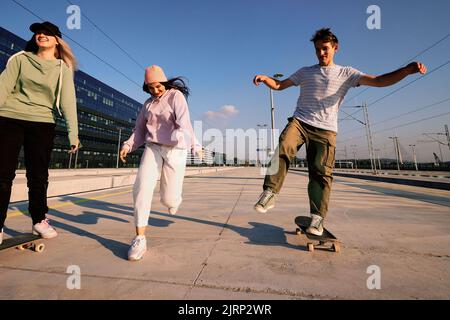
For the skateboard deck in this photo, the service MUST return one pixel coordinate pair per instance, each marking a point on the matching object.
(22, 242)
(317, 242)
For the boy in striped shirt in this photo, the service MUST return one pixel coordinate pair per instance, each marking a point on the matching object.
(314, 123)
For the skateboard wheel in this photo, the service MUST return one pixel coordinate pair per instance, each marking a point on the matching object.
(297, 231)
(310, 247)
(336, 247)
(39, 247)
(21, 247)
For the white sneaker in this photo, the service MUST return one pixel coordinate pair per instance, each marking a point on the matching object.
(1, 236)
(316, 226)
(137, 249)
(265, 202)
(173, 211)
(44, 229)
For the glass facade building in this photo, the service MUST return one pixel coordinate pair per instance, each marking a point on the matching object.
(105, 115)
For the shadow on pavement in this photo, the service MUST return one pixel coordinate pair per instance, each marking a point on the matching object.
(257, 234)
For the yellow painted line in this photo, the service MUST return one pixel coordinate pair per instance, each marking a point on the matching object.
(25, 212)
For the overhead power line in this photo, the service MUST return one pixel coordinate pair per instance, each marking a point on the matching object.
(404, 86)
(83, 47)
(417, 55)
(403, 114)
(99, 58)
(402, 125)
(111, 39)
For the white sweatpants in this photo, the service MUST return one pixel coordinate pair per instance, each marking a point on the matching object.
(158, 160)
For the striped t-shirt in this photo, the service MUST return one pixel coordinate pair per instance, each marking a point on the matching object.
(322, 90)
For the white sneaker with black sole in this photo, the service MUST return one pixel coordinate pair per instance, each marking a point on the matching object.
(316, 226)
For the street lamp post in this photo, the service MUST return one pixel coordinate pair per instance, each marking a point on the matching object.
(272, 113)
(257, 147)
(258, 163)
(76, 158)
(118, 147)
(70, 159)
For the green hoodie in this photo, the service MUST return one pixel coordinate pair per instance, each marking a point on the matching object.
(29, 89)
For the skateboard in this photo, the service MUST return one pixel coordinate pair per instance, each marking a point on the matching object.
(22, 242)
(319, 242)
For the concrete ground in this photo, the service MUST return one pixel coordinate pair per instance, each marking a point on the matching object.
(218, 247)
(64, 181)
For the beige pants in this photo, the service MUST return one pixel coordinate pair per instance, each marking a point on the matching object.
(157, 160)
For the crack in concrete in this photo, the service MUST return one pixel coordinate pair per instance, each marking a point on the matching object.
(205, 262)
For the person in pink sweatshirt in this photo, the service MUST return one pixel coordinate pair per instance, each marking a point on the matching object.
(164, 126)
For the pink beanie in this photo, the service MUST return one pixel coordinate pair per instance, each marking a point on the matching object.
(154, 74)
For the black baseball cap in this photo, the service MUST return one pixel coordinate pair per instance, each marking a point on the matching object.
(46, 26)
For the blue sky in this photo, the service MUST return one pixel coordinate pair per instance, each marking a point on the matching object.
(220, 45)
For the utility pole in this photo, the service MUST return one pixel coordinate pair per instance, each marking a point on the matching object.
(378, 157)
(440, 151)
(379, 162)
(366, 123)
(414, 156)
(437, 141)
(369, 139)
(397, 151)
(448, 136)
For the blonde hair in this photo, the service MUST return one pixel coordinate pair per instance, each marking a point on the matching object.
(63, 52)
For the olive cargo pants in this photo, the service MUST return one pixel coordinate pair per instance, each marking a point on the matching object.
(320, 153)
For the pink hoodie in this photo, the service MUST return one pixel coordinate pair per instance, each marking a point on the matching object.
(165, 121)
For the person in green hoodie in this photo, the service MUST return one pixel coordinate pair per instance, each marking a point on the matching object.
(36, 84)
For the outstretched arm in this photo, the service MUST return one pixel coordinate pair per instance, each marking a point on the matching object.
(391, 78)
(272, 83)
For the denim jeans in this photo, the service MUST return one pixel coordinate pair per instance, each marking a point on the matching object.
(320, 153)
(37, 141)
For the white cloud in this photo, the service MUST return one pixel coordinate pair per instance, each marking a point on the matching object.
(227, 111)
